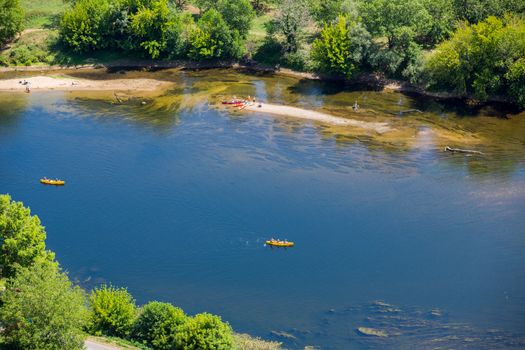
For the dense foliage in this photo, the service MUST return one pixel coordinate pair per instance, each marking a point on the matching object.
(157, 325)
(41, 309)
(22, 238)
(484, 59)
(11, 16)
(204, 332)
(341, 47)
(113, 311)
(155, 29)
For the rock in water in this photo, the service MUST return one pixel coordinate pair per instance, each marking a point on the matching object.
(372, 332)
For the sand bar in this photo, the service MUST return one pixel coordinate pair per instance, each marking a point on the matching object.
(295, 112)
(65, 83)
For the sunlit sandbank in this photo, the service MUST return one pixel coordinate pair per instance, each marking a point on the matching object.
(65, 83)
(301, 113)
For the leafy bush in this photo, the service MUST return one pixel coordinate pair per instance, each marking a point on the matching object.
(178, 35)
(204, 332)
(41, 309)
(22, 237)
(212, 38)
(81, 27)
(150, 25)
(483, 59)
(341, 47)
(113, 311)
(238, 14)
(11, 17)
(157, 325)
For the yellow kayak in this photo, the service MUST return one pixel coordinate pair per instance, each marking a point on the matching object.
(52, 182)
(277, 243)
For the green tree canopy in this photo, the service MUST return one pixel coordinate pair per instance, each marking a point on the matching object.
(477, 10)
(22, 237)
(212, 38)
(11, 17)
(150, 26)
(113, 311)
(484, 59)
(238, 14)
(157, 325)
(41, 309)
(82, 25)
(204, 332)
(341, 47)
(290, 22)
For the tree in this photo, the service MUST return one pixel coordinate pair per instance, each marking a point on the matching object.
(11, 17)
(204, 332)
(341, 47)
(41, 309)
(292, 17)
(396, 18)
(238, 14)
(325, 11)
(443, 21)
(477, 10)
(157, 325)
(178, 35)
(22, 237)
(81, 26)
(150, 25)
(113, 311)
(212, 38)
(483, 59)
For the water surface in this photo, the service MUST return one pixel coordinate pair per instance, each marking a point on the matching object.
(175, 198)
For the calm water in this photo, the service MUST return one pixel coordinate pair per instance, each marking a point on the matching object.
(174, 200)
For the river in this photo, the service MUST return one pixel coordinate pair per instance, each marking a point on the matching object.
(173, 198)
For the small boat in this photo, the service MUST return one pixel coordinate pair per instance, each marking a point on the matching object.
(278, 243)
(55, 182)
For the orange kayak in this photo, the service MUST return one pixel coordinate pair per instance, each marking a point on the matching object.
(277, 243)
(55, 182)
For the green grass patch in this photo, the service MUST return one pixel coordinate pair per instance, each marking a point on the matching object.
(42, 13)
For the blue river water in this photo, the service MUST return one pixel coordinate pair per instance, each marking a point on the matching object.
(176, 206)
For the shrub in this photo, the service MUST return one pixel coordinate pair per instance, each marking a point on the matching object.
(41, 309)
(150, 25)
(212, 38)
(178, 35)
(238, 14)
(204, 332)
(157, 325)
(484, 59)
(22, 237)
(341, 47)
(11, 17)
(113, 311)
(81, 27)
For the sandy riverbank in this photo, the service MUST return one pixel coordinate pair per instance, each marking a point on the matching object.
(318, 116)
(65, 83)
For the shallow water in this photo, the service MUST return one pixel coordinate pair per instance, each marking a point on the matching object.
(175, 198)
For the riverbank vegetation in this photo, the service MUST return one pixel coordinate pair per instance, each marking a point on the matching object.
(40, 308)
(470, 48)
